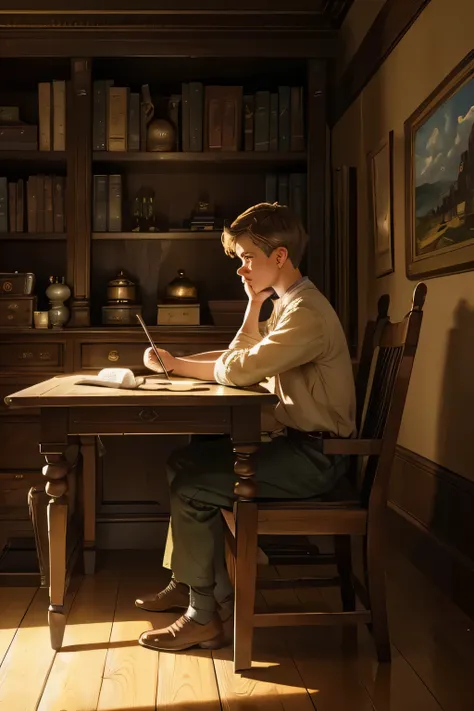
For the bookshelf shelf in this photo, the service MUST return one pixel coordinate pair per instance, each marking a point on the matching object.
(256, 159)
(185, 234)
(50, 158)
(32, 236)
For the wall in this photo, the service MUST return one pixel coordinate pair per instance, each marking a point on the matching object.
(356, 24)
(438, 422)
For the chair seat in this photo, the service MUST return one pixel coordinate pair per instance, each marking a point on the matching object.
(344, 495)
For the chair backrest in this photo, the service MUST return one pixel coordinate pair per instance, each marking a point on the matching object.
(373, 331)
(387, 389)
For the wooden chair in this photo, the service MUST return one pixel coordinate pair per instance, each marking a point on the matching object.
(346, 512)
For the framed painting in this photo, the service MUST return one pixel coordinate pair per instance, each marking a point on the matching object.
(380, 170)
(439, 146)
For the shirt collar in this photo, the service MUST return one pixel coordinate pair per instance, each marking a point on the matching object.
(294, 289)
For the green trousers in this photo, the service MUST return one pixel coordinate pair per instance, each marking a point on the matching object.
(201, 482)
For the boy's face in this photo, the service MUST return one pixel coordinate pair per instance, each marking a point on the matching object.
(257, 269)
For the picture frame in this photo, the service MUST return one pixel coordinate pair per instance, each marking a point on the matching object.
(380, 171)
(439, 178)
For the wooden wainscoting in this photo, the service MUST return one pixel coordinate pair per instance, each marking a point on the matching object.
(431, 517)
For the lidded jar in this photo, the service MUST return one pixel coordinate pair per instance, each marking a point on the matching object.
(181, 290)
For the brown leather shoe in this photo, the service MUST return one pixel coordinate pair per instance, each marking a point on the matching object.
(183, 634)
(174, 597)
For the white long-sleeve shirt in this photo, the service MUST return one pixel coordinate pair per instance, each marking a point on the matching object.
(302, 357)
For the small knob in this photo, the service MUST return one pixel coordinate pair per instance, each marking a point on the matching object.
(113, 356)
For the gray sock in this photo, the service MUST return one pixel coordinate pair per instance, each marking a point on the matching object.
(202, 605)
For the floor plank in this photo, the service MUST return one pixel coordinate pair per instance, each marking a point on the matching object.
(436, 637)
(333, 679)
(131, 672)
(187, 680)
(394, 687)
(273, 683)
(27, 664)
(14, 603)
(295, 669)
(76, 676)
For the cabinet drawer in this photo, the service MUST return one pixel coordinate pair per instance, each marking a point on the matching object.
(14, 488)
(16, 356)
(20, 449)
(130, 355)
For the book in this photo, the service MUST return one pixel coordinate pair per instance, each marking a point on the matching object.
(45, 115)
(59, 115)
(262, 120)
(117, 118)
(124, 379)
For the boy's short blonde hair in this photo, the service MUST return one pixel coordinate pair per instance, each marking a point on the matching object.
(269, 227)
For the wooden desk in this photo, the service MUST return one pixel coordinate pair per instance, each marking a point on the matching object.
(73, 414)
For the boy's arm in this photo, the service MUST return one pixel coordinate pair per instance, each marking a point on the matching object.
(298, 338)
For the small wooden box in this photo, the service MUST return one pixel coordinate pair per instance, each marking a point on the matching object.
(178, 315)
(121, 315)
(17, 311)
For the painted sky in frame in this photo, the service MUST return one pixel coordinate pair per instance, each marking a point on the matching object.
(441, 140)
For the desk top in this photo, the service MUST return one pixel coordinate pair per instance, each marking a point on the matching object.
(65, 391)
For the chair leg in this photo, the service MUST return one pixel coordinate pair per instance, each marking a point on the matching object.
(245, 582)
(374, 571)
(342, 549)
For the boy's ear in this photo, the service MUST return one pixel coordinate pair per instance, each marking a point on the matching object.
(281, 256)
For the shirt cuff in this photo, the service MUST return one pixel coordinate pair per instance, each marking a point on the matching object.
(223, 365)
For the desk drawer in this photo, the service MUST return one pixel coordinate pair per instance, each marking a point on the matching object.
(130, 355)
(150, 420)
(19, 356)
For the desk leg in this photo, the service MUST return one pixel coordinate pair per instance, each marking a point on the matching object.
(56, 471)
(88, 451)
(245, 435)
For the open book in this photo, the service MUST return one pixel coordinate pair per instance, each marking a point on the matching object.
(125, 379)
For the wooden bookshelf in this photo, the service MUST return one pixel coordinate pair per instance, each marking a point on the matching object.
(32, 236)
(230, 181)
(50, 159)
(184, 235)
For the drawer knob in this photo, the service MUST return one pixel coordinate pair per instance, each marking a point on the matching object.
(149, 415)
(113, 356)
(25, 355)
(13, 306)
(19, 476)
(45, 355)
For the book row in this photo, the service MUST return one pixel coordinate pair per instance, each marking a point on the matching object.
(34, 206)
(200, 118)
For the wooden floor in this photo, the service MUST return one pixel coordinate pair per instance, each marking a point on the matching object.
(302, 669)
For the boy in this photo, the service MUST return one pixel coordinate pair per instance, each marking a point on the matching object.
(301, 355)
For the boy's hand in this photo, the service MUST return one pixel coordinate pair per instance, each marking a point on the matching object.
(254, 297)
(151, 361)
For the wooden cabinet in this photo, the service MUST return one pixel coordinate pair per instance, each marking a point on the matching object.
(30, 355)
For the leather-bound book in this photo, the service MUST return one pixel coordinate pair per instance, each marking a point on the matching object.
(223, 118)
(48, 204)
(44, 115)
(117, 132)
(115, 204)
(283, 118)
(262, 121)
(59, 115)
(297, 119)
(59, 184)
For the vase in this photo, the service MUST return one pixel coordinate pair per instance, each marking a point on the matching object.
(57, 294)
